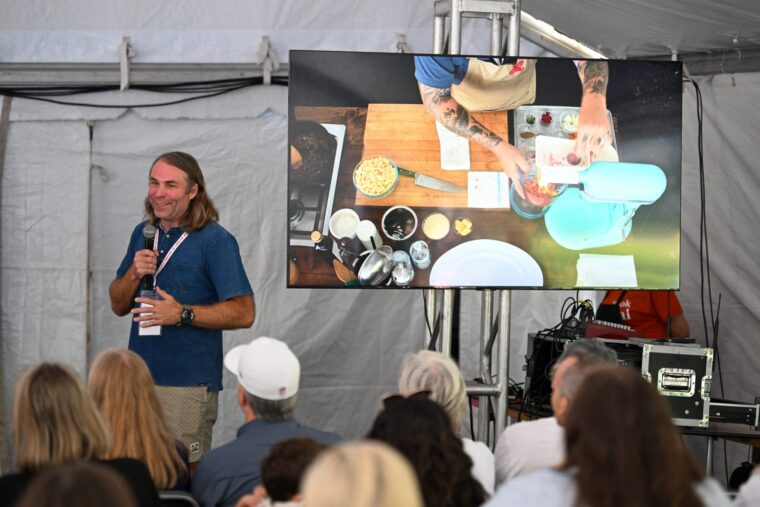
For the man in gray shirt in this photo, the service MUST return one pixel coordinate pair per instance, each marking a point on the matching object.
(268, 374)
(528, 446)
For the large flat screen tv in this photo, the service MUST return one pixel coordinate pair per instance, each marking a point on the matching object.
(470, 172)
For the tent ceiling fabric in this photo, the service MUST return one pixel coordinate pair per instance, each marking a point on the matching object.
(190, 31)
(639, 28)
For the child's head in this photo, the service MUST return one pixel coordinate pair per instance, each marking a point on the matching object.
(283, 467)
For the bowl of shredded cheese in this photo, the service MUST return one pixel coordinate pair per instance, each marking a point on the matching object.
(376, 176)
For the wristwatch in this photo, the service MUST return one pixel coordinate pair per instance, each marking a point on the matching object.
(187, 316)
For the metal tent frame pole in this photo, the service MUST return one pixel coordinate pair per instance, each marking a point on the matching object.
(496, 11)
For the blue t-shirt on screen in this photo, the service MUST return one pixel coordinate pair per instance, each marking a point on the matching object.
(440, 71)
(205, 269)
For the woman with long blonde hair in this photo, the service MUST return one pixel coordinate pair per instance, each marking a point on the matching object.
(55, 422)
(123, 390)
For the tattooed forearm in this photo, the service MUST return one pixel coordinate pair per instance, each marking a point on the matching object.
(456, 119)
(445, 109)
(434, 96)
(489, 139)
(594, 76)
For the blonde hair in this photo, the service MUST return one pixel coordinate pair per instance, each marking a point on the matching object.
(361, 474)
(432, 371)
(123, 389)
(55, 420)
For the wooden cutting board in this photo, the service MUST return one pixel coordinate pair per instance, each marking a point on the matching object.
(407, 134)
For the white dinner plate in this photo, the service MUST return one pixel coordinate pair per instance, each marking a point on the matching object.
(486, 263)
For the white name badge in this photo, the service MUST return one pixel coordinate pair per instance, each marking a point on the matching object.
(148, 331)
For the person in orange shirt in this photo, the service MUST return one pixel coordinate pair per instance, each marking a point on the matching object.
(646, 312)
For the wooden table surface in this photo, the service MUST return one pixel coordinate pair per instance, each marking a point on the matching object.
(406, 134)
(503, 225)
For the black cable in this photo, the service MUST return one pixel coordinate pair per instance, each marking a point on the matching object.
(703, 246)
(433, 333)
(715, 344)
(208, 88)
(725, 458)
(704, 249)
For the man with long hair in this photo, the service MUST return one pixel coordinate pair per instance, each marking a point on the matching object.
(202, 289)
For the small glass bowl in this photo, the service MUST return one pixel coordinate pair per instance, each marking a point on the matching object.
(384, 192)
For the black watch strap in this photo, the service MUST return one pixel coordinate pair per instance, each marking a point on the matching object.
(187, 315)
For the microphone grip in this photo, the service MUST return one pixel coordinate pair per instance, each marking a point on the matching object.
(149, 281)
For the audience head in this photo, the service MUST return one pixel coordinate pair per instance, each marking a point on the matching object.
(268, 374)
(361, 474)
(620, 436)
(432, 371)
(77, 484)
(123, 389)
(579, 358)
(421, 431)
(55, 420)
(285, 465)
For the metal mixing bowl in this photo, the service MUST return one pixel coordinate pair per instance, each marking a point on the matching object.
(378, 266)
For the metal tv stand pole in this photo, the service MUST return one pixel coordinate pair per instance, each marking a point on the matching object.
(496, 11)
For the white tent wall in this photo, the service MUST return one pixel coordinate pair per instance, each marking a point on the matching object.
(350, 343)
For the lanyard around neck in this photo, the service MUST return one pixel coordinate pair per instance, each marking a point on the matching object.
(171, 250)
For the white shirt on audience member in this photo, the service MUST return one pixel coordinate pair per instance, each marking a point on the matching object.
(528, 446)
(482, 463)
(749, 493)
(553, 488)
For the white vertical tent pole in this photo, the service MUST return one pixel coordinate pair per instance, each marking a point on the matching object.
(502, 362)
(513, 33)
(439, 29)
(447, 314)
(486, 322)
(455, 40)
(496, 26)
(5, 114)
(455, 10)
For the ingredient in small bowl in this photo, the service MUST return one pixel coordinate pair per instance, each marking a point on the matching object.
(436, 226)
(570, 122)
(546, 118)
(462, 226)
(540, 195)
(530, 119)
(375, 176)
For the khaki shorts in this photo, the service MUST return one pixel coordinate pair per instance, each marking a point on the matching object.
(191, 413)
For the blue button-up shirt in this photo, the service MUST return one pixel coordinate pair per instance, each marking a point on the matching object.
(205, 269)
(228, 472)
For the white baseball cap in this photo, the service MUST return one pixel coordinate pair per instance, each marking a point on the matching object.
(266, 368)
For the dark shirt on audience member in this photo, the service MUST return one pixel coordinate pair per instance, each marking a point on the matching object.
(134, 472)
(232, 470)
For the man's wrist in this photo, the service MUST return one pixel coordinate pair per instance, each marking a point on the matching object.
(186, 315)
(135, 276)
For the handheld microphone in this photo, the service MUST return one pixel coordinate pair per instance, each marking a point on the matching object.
(149, 233)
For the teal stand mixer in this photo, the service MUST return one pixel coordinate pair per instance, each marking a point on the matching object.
(598, 209)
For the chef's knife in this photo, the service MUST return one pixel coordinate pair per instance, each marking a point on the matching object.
(430, 182)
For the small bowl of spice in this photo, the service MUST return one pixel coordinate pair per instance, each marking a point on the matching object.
(569, 122)
(436, 226)
(462, 226)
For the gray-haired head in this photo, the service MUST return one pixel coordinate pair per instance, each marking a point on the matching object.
(272, 410)
(589, 354)
(432, 371)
